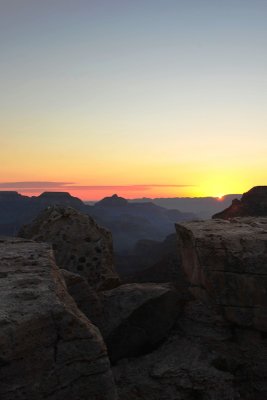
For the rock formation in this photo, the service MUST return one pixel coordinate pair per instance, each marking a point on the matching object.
(48, 348)
(226, 264)
(80, 245)
(112, 201)
(205, 339)
(86, 298)
(17, 210)
(48, 199)
(217, 349)
(136, 317)
(253, 203)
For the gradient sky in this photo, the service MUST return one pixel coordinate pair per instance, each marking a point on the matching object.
(143, 98)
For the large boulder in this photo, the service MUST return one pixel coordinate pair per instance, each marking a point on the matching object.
(226, 264)
(253, 203)
(204, 358)
(79, 243)
(48, 348)
(137, 317)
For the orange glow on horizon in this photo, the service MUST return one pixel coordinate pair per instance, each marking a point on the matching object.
(95, 194)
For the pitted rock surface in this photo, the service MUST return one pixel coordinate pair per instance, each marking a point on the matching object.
(80, 244)
(48, 348)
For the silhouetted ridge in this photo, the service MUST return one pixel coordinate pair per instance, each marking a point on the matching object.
(64, 198)
(51, 195)
(10, 195)
(113, 201)
(253, 203)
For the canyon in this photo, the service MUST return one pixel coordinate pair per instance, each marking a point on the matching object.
(71, 327)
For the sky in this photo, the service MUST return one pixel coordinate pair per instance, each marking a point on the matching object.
(144, 98)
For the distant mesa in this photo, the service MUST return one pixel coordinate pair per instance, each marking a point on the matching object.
(63, 198)
(253, 203)
(51, 195)
(57, 196)
(9, 195)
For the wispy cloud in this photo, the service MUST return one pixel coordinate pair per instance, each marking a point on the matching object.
(72, 186)
(33, 185)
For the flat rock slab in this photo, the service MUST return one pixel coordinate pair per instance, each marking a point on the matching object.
(48, 348)
(226, 264)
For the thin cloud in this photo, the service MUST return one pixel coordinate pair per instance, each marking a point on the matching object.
(72, 186)
(33, 185)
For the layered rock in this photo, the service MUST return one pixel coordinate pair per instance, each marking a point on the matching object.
(48, 348)
(253, 203)
(80, 244)
(226, 264)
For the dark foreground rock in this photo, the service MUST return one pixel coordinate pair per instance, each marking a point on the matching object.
(79, 243)
(204, 358)
(253, 203)
(48, 348)
(137, 317)
(226, 264)
(86, 298)
(217, 350)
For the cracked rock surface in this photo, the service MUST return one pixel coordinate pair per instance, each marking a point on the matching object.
(226, 264)
(48, 348)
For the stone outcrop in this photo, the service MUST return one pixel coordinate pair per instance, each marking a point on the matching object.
(203, 336)
(217, 350)
(132, 318)
(79, 243)
(181, 368)
(253, 203)
(226, 264)
(137, 317)
(204, 358)
(48, 348)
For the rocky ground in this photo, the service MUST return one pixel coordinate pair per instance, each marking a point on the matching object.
(75, 333)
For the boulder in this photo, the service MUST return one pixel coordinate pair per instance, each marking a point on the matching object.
(80, 245)
(137, 317)
(205, 358)
(226, 264)
(48, 348)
